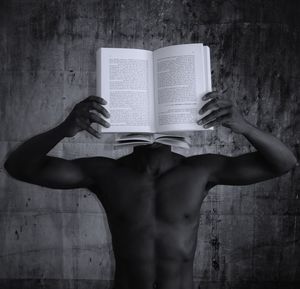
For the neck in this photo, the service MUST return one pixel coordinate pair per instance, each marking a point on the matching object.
(153, 159)
(152, 147)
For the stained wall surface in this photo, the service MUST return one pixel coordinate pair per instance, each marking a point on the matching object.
(248, 236)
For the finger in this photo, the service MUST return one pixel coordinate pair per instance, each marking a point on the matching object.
(210, 95)
(84, 125)
(99, 108)
(95, 118)
(213, 115)
(98, 99)
(220, 120)
(93, 132)
(214, 104)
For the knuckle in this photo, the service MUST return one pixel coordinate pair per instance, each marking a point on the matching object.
(219, 113)
(105, 123)
(205, 119)
(92, 116)
(91, 130)
(77, 113)
(207, 107)
(204, 108)
(215, 113)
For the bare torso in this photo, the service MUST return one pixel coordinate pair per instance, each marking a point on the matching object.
(152, 200)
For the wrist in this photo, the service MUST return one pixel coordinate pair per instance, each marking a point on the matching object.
(61, 130)
(248, 129)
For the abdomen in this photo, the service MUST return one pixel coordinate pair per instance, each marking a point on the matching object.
(156, 255)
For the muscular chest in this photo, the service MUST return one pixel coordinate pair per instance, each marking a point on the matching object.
(141, 197)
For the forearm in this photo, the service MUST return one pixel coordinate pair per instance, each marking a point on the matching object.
(31, 153)
(278, 155)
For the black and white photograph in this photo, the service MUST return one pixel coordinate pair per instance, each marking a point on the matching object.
(149, 144)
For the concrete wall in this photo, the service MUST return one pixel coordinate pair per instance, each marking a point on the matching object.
(248, 236)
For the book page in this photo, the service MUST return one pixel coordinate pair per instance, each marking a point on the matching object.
(174, 141)
(135, 136)
(134, 139)
(181, 78)
(140, 139)
(207, 68)
(125, 81)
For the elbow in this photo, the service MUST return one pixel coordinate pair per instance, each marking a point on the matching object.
(11, 168)
(290, 164)
(16, 169)
(8, 167)
(293, 163)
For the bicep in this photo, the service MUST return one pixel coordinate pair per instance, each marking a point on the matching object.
(246, 169)
(59, 173)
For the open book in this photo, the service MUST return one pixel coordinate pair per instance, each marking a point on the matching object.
(153, 92)
(143, 139)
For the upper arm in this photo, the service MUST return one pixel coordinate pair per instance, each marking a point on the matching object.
(245, 169)
(58, 173)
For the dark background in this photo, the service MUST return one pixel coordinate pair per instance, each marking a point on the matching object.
(248, 236)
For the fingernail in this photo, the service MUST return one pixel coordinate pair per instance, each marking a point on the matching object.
(205, 126)
(200, 111)
(200, 121)
(204, 97)
(105, 102)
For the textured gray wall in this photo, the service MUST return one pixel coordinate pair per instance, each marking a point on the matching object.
(248, 236)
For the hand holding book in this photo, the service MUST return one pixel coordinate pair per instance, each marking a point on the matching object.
(86, 112)
(219, 110)
(222, 111)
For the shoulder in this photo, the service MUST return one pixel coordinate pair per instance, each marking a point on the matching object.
(209, 165)
(95, 169)
(94, 160)
(95, 163)
(212, 164)
(206, 160)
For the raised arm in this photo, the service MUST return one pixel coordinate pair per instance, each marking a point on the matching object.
(30, 163)
(271, 159)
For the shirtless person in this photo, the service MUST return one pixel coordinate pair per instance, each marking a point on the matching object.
(153, 196)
